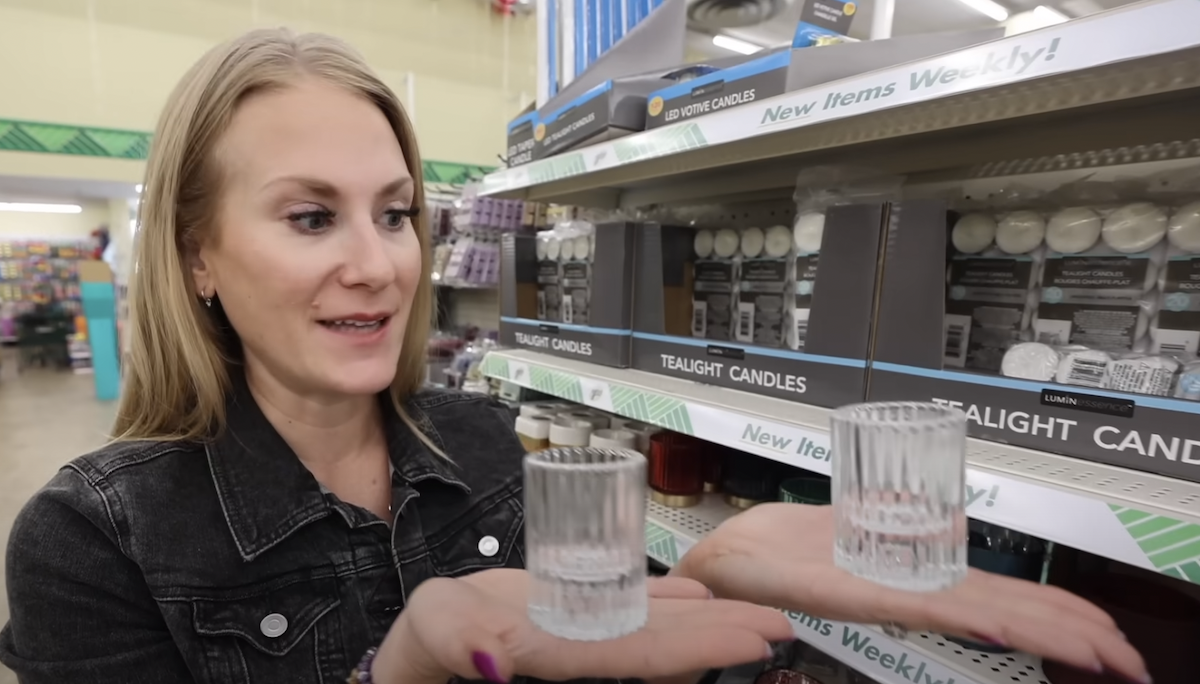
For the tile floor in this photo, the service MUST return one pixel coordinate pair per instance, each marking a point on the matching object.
(46, 419)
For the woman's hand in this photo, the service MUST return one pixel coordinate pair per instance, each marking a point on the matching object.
(782, 555)
(476, 627)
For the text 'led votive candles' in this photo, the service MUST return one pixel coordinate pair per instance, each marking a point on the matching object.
(585, 541)
(899, 472)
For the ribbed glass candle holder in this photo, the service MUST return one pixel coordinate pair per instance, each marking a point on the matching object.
(585, 541)
(899, 473)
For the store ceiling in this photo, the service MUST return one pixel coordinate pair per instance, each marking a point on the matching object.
(911, 17)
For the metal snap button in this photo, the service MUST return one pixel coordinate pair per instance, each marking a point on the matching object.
(273, 625)
(488, 546)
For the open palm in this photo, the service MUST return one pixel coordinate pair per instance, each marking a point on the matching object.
(686, 631)
(782, 555)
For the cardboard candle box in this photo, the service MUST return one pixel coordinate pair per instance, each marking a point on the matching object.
(1155, 434)
(579, 309)
(831, 369)
(520, 139)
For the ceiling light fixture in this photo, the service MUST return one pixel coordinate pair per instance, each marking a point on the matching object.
(988, 7)
(1049, 16)
(739, 46)
(35, 208)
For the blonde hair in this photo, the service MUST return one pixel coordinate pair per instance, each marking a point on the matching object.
(176, 375)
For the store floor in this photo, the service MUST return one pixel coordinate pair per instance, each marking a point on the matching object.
(46, 419)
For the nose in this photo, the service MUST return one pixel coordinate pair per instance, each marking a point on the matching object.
(367, 257)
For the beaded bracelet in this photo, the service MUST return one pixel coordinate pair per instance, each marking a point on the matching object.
(362, 673)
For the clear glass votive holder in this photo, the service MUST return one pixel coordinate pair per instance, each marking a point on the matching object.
(585, 541)
(899, 471)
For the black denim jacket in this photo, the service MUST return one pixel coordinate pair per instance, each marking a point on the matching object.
(226, 562)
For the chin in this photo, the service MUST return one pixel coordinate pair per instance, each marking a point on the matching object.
(363, 379)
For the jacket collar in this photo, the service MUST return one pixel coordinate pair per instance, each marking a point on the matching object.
(267, 494)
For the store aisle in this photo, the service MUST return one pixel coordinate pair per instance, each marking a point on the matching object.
(46, 419)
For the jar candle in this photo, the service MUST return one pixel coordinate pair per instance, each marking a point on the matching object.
(749, 480)
(599, 421)
(643, 431)
(714, 466)
(614, 439)
(566, 431)
(534, 432)
(676, 470)
(541, 408)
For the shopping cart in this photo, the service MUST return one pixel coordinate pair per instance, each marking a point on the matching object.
(42, 339)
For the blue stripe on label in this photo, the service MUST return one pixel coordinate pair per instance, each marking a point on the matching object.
(551, 48)
(754, 67)
(754, 351)
(1161, 403)
(580, 27)
(577, 102)
(531, 116)
(593, 39)
(566, 326)
(606, 26)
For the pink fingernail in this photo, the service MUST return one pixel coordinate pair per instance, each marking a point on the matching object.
(984, 638)
(486, 665)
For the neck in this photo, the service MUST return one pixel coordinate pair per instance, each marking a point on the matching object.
(324, 431)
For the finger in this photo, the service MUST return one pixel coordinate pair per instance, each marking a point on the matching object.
(676, 587)
(1106, 645)
(481, 650)
(768, 623)
(463, 629)
(1056, 596)
(663, 653)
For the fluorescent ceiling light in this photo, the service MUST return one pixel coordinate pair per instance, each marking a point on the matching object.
(738, 46)
(992, 9)
(1049, 15)
(34, 208)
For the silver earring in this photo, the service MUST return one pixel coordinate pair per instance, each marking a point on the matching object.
(208, 302)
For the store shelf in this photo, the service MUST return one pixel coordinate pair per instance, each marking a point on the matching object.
(1090, 84)
(1145, 520)
(919, 659)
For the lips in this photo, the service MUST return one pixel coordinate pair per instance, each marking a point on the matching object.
(357, 323)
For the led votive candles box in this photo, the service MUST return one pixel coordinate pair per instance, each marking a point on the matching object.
(599, 275)
(1046, 327)
(761, 303)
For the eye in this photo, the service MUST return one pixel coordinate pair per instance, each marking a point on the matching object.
(397, 217)
(313, 221)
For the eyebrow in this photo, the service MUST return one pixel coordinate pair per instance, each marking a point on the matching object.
(327, 191)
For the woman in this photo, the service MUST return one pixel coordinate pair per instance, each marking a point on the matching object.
(280, 486)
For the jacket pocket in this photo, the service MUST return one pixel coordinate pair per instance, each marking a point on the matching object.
(487, 535)
(278, 634)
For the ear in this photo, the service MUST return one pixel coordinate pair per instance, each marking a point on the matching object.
(202, 276)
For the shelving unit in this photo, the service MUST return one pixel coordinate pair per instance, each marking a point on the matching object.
(919, 659)
(1123, 78)
(1147, 521)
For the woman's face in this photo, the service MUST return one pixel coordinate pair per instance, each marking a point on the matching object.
(314, 256)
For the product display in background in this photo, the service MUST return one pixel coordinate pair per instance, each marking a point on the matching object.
(748, 80)
(1047, 329)
(727, 295)
(467, 232)
(568, 290)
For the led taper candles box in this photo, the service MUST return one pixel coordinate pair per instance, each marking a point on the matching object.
(1048, 325)
(568, 290)
(743, 304)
